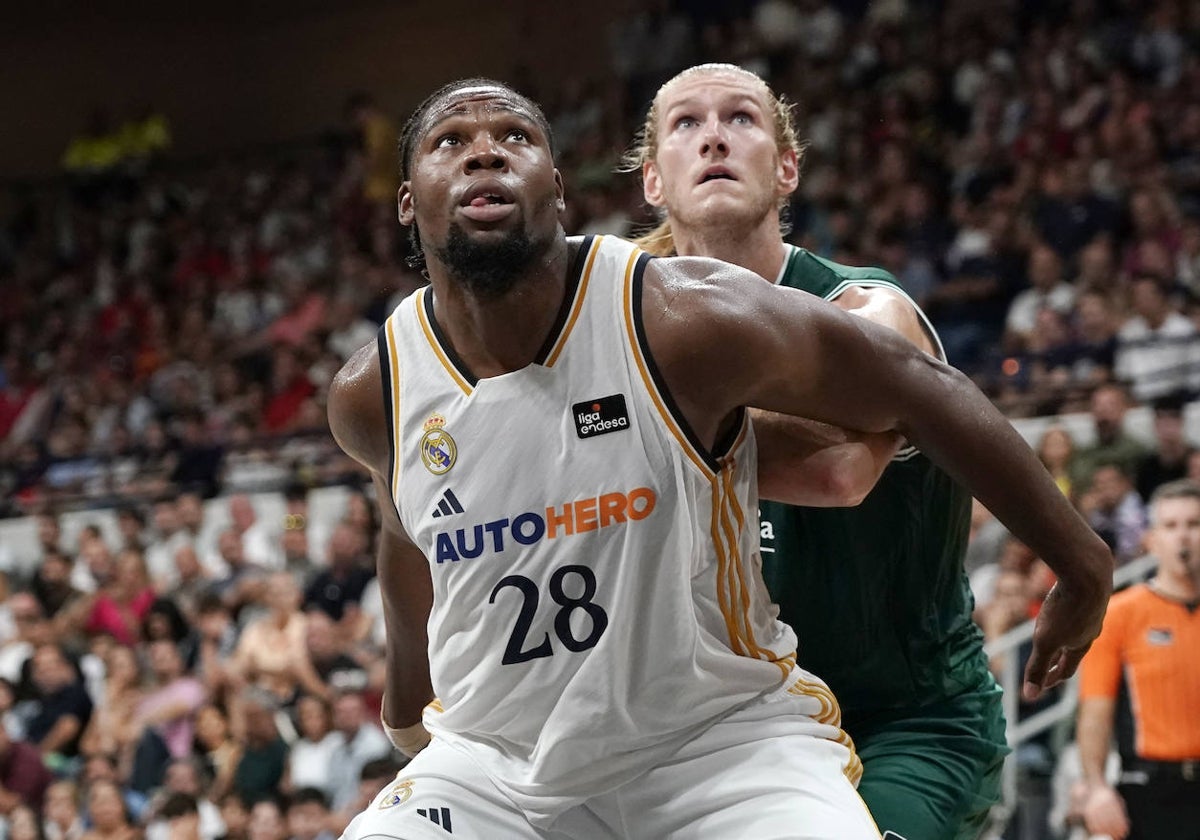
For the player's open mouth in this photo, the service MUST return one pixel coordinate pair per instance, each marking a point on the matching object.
(715, 173)
(487, 203)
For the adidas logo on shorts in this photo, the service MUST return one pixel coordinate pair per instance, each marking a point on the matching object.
(437, 816)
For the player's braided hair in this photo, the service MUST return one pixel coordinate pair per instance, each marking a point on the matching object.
(415, 126)
(659, 240)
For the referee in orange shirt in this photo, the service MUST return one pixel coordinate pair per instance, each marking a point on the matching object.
(1151, 637)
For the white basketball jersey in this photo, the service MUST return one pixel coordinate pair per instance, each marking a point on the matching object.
(597, 593)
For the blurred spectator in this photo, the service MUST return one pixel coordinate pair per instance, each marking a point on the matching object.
(184, 778)
(264, 754)
(1115, 511)
(165, 716)
(310, 761)
(308, 816)
(327, 645)
(272, 652)
(62, 708)
(25, 824)
(1109, 404)
(51, 584)
(1047, 290)
(376, 139)
(1168, 461)
(23, 776)
(338, 589)
(121, 603)
(61, 819)
(356, 742)
(259, 541)
(178, 819)
(374, 775)
(267, 820)
(242, 581)
(32, 630)
(107, 815)
(112, 729)
(1158, 351)
(235, 816)
(1056, 450)
(348, 330)
(217, 749)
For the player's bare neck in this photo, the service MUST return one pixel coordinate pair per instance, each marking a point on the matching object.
(761, 249)
(498, 334)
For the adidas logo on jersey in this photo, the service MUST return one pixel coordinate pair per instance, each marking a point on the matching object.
(437, 816)
(449, 504)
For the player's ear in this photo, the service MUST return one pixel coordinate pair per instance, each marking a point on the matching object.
(787, 173)
(405, 206)
(559, 192)
(651, 184)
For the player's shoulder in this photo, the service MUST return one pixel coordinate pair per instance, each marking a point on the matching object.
(826, 278)
(356, 406)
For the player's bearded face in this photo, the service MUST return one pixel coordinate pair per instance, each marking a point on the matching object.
(490, 267)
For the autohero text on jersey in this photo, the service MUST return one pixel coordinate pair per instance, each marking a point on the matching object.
(567, 519)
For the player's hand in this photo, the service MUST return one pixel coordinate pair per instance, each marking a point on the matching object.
(1066, 626)
(1104, 813)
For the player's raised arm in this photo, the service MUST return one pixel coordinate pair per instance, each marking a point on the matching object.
(356, 417)
(782, 350)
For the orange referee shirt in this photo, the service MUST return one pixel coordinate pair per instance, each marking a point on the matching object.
(1155, 643)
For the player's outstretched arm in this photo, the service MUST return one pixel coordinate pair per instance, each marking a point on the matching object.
(358, 423)
(723, 339)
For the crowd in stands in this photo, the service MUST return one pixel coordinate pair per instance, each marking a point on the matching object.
(168, 332)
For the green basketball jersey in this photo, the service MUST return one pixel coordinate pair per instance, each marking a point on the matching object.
(877, 593)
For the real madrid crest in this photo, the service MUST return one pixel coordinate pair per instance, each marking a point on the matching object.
(438, 450)
(398, 794)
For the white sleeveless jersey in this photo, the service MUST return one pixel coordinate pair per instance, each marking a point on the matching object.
(597, 590)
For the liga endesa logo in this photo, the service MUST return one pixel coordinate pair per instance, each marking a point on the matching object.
(566, 519)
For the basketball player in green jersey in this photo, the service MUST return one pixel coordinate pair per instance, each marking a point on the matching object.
(876, 593)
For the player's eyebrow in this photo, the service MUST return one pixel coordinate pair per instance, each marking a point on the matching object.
(458, 107)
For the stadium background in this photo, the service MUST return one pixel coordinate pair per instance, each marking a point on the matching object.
(197, 227)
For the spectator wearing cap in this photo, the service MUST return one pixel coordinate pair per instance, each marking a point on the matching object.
(1169, 460)
(1150, 638)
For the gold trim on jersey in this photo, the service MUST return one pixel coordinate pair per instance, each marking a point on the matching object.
(394, 373)
(831, 714)
(647, 380)
(576, 307)
(427, 328)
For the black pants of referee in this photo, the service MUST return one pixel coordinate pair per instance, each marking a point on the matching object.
(1166, 806)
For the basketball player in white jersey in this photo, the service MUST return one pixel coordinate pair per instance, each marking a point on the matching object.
(555, 428)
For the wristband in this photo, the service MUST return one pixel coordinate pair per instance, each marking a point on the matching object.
(410, 740)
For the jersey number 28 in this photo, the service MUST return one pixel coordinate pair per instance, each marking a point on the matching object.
(516, 651)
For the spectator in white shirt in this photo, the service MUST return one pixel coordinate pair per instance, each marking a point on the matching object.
(1047, 290)
(1158, 351)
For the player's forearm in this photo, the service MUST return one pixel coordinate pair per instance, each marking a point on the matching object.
(1093, 734)
(961, 431)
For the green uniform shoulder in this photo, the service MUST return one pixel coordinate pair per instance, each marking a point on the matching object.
(806, 271)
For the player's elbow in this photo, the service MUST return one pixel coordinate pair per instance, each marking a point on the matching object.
(848, 482)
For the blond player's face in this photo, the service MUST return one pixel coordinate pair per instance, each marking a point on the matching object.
(1174, 538)
(717, 162)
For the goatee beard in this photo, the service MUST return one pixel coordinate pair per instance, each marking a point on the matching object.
(488, 270)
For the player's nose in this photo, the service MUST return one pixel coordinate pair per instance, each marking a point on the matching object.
(484, 153)
(713, 137)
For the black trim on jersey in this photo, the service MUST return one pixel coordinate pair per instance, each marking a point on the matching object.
(568, 302)
(389, 410)
(572, 288)
(640, 330)
(444, 343)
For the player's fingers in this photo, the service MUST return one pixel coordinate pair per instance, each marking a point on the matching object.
(1036, 670)
(1070, 661)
